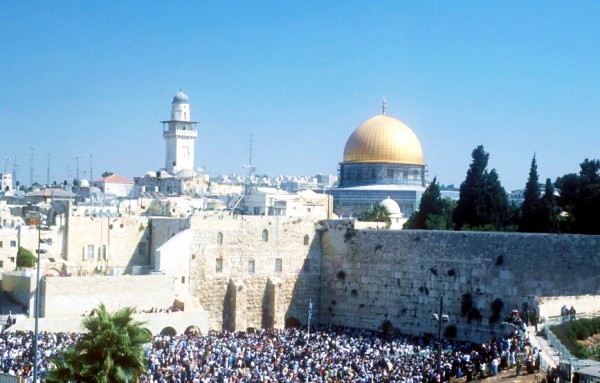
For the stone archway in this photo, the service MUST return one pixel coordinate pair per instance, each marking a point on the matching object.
(192, 330)
(292, 322)
(170, 331)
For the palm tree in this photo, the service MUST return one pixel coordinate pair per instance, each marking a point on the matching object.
(378, 213)
(110, 351)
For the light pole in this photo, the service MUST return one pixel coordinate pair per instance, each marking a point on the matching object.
(37, 300)
(439, 317)
(309, 315)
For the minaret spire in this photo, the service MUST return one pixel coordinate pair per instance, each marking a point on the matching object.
(383, 107)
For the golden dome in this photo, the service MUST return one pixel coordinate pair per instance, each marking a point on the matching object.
(384, 139)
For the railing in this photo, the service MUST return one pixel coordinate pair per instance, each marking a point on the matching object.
(561, 350)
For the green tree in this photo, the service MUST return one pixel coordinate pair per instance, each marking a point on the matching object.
(25, 258)
(377, 214)
(110, 351)
(549, 209)
(532, 214)
(435, 212)
(483, 204)
(580, 199)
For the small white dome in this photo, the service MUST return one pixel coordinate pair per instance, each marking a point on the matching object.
(392, 206)
(181, 98)
(84, 183)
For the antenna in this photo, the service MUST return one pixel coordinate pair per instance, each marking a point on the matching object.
(91, 167)
(77, 168)
(31, 166)
(48, 169)
(249, 166)
(15, 167)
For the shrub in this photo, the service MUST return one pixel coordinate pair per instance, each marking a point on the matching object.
(25, 258)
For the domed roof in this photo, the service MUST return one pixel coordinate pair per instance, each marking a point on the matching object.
(391, 206)
(384, 139)
(181, 98)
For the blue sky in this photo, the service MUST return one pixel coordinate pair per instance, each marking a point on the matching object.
(81, 78)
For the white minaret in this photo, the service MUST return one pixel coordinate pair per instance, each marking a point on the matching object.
(179, 134)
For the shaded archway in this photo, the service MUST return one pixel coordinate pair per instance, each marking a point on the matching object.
(170, 331)
(193, 330)
(292, 322)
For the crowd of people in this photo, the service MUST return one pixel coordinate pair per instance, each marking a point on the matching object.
(327, 354)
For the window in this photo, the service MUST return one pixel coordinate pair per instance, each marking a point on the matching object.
(142, 248)
(1, 264)
(13, 243)
(103, 252)
(1, 244)
(12, 259)
(182, 279)
(219, 265)
(278, 265)
(251, 266)
(306, 240)
(265, 235)
(90, 252)
(219, 238)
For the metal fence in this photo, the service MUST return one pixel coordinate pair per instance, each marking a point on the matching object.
(5, 378)
(560, 349)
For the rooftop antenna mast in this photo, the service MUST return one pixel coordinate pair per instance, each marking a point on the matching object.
(14, 170)
(31, 166)
(91, 166)
(48, 155)
(77, 167)
(249, 166)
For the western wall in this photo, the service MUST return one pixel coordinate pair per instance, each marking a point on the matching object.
(382, 279)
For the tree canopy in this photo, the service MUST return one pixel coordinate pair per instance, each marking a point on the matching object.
(580, 199)
(110, 351)
(435, 212)
(25, 258)
(483, 204)
(378, 213)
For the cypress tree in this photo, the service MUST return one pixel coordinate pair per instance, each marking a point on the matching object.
(531, 209)
(468, 210)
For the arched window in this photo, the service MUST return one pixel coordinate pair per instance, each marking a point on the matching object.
(306, 240)
(265, 235)
(219, 238)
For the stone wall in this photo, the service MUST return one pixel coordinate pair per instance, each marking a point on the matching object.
(75, 296)
(20, 287)
(234, 271)
(102, 244)
(162, 229)
(9, 242)
(380, 278)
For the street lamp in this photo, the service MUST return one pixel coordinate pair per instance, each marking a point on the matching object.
(37, 298)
